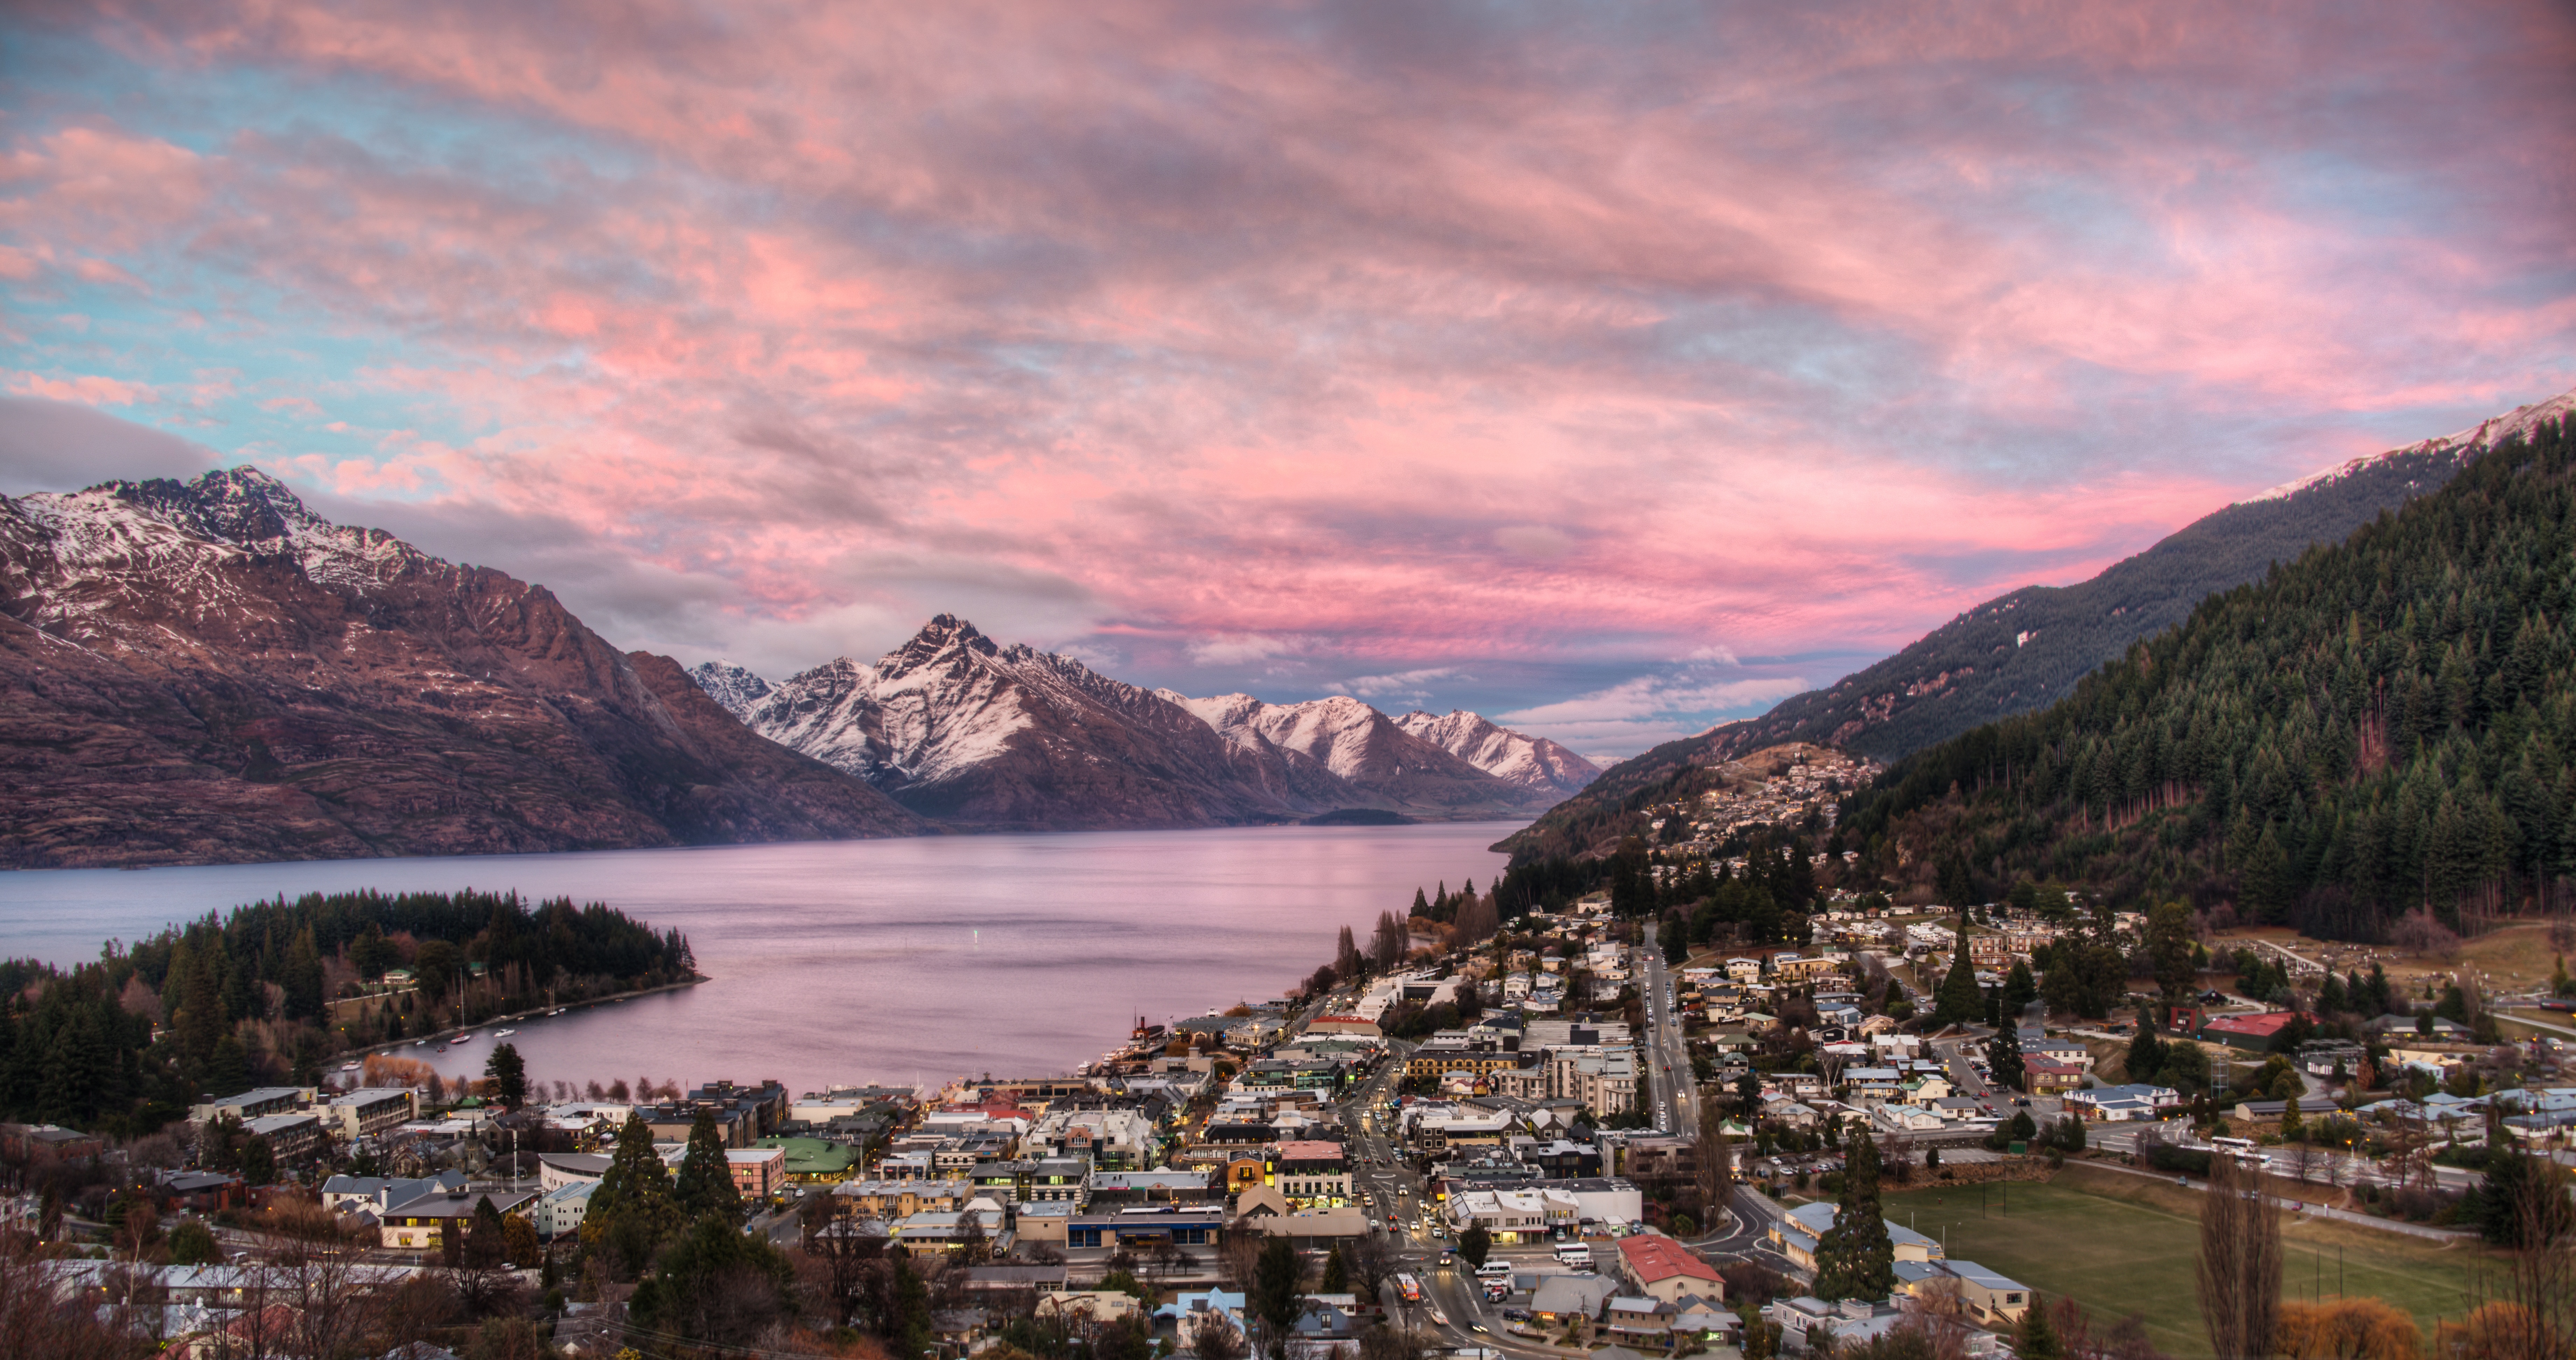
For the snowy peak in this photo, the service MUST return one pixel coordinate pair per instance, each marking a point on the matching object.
(2460, 447)
(1531, 762)
(734, 689)
(960, 727)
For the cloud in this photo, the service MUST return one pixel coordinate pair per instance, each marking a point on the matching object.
(1239, 650)
(1402, 682)
(1382, 342)
(56, 446)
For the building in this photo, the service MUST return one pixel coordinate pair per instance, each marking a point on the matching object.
(289, 1136)
(2254, 1033)
(1310, 1174)
(902, 1199)
(1146, 1228)
(559, 1211)
(758, 1173)
(370, 1110)
(424, 1223)
(555, 1170)
(1660, 1268)
(250, 1105)
(1796, 1233)
(812, 1161)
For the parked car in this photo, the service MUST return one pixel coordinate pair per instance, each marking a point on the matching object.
(1516, 1315)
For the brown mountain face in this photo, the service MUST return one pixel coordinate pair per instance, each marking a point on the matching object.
(207, 672)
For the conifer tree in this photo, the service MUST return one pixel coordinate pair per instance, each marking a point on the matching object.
(1959, 1002)
(1855, 1259)
(705, 1184)
(2003, 1057)
(635, 1189)
(2036, 1338)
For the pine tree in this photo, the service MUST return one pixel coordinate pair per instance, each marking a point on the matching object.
(636, 1187)
(2146, 1052)
(1959, 1002)
(2036, 1338)
(509, 1075)
(705, 1183)
(1855, 1259)
(2003, 1057)
(2020, 989)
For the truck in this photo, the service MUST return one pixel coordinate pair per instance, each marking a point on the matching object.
(1409, 1287)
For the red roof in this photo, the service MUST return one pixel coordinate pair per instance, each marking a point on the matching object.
(1651, 1258)
(2262, 1026)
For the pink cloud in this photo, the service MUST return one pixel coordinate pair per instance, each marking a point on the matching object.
(1379, 337)
(87, 389)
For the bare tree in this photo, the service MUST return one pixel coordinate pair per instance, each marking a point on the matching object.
(2305, 1159)
(847, 1253)
(1712, 1163)
(2240, 1263)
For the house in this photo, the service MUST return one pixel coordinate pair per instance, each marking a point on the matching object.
(1994, 1298)
(1658, 1267)
(1639, 1319)
(2117, 1103)
(2048, 1076)
(425, 1221)
(1562, 1298)
(376, 1194)
(2254, 1033)
(1796, 1233)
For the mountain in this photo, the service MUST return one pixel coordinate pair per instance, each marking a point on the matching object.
(2023, 651)
(735, 689)
(964, 729)
(208, 672)
(1531, 762)
(1368, 751)
(2379, 726)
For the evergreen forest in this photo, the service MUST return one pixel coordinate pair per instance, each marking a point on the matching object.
(2379, 728)
(270, 991)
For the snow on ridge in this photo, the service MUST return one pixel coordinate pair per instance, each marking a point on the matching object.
(2484, 435)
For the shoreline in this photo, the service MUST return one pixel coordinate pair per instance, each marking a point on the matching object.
(442, 1036)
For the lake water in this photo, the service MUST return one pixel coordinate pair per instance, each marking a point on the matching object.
(901, 961)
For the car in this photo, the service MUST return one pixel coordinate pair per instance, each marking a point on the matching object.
(1516, 1315)
(2021, 1100)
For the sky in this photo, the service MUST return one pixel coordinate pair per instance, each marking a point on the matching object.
(1612, 370)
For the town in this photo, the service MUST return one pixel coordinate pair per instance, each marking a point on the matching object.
(1568, 1133)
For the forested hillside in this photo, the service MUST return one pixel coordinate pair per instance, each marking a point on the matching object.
(2379, 726)
(244, 998)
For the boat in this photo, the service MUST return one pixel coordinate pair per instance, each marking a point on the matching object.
(556, 1011)
(349, 1067)
(503, 1033)
(462, 1039)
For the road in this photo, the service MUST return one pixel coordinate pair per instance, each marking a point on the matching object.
(1671, 1092)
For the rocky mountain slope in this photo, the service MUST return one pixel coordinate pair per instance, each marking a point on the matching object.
(966, 730)
(2024, 651)
(208, 672)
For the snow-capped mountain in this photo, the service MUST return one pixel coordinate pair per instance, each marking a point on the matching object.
(735, 689)
(1531, 762)
(966, 730)
(2455, 450)
(207, 671)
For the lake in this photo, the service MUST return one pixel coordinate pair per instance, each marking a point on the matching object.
(900, 961)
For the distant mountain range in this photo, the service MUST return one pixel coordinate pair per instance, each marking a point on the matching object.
(965, 730)
(2023, 651)
(208, 672)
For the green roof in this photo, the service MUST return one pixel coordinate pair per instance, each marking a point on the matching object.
(812, 1156)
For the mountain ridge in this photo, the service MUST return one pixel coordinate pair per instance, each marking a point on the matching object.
(2028, 648)
(963, 728)
(208, 672)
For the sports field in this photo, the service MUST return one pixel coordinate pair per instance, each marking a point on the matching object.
(2123, 1244)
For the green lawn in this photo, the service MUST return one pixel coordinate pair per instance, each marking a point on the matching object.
(2118, 1256)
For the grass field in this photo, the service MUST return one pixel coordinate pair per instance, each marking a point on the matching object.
(2124, 1244)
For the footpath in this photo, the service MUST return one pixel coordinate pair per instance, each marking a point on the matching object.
(2303, 1208)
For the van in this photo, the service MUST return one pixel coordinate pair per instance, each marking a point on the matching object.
(1494, 1270)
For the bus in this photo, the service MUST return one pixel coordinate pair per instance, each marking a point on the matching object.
(1573, 1254)
(1409, 1287)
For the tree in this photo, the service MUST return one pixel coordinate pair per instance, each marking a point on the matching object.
(1473, 1245)
(2346, 1329)
(715, 1285)
(1855, 1259)
(2035, 1339)
(2003, 1058)
(631, 1211)
(2146, 1051)
(192, 1243)
(508, 1075)
(2239, 1273)
(1276, 1296)
(2020, 989)
(1959, 1002)
(705, 1184)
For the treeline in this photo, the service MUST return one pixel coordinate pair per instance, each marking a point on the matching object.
(2378, 727)
(246, 996)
